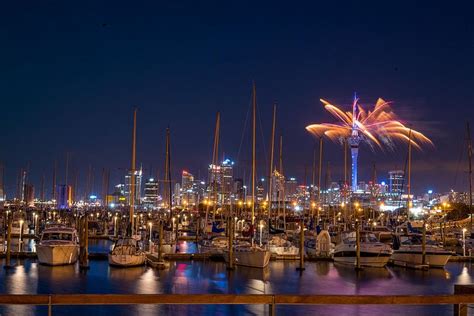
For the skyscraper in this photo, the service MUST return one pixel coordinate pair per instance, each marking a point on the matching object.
(290, 188)
(239, 189)
(221, 179)
(151, 193)
(138, 186)
(396, 181)
(187, 180)
(227, 167)
(278, 185)
(64, 196)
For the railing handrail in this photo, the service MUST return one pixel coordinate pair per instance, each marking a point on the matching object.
(231, 299)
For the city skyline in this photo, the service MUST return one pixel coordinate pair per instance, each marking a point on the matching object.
(61, 98)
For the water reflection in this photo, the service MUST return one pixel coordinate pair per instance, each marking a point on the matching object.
(213, 277)
(465, 276)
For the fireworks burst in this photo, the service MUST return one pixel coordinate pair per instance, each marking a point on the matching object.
(378, 127)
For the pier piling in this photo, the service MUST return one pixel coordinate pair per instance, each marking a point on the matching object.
(301, 267)
(230, 266)
(9, 242)
(160, 242)
(358, 267)
(84, 243)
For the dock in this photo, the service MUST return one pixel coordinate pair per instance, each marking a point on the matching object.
(152, 261)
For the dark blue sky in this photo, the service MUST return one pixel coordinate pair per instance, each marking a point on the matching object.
(71, 73)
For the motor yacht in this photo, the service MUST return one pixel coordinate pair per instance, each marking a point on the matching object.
(59, 245)
(373, 253)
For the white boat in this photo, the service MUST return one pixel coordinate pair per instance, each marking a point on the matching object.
(409, 252)
(282, 247)
(373, 253)
(58, 246)
(126, 253)
(324, 246)
(249, 256)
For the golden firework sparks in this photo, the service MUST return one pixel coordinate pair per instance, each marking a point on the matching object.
(377, 127)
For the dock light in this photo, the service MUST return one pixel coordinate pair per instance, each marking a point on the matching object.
(149, 241)
(464, 230)
(249, 203)
(356, 204)
(313, 205)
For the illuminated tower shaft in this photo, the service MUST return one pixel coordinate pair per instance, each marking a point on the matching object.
(354, 141)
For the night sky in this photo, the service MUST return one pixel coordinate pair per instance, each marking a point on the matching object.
(71, 73)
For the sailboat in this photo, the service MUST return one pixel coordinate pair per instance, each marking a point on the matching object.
(126, 251)
(251, 255)
(412, 249)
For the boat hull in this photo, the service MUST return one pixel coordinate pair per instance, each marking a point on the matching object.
(373, 260)
(254, 259)
(55, 255)
(411, 258)
(126, 260)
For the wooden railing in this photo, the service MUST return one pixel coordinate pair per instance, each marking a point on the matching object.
(459, 301)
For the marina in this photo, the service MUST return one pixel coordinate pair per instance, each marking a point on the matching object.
(231, 158)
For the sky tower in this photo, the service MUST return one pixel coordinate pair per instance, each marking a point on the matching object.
(354, 141)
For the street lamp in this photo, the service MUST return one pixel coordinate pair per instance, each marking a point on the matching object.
(36, 223)
(115, 225)
(149, 241)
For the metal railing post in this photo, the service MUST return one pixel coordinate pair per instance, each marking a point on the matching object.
(271, 308)
(50, 307)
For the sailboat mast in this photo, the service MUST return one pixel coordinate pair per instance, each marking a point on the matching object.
(168, 172)
(67, 169)
(345, 162)
(215, 159)
(282, 178)
(254, 127)
(272, 150)
(409, 176)
(320, 169)
(469, 155)
(53, 182)
(132, 169)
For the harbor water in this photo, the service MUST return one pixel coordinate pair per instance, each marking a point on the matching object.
(210, 277)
